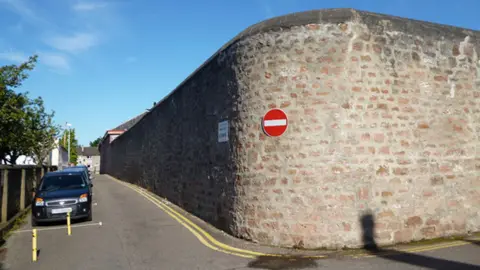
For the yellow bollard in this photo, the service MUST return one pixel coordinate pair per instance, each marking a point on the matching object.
(34, 245)
(69, 228)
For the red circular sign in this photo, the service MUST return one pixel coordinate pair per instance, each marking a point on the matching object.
(275, 122)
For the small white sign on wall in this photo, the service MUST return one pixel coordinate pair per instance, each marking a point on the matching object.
(223, 131)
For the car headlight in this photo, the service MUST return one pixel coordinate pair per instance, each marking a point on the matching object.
(39, 202)
(83, 198)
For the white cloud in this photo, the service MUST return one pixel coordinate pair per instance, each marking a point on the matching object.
(54, 60)
(73, 44)
(26, 11)
(13, 56)
(131, 59)
(55, 30)
(84, 6)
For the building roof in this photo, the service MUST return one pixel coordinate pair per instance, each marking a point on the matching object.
(122, 127)
(87, 151)
(130, 123)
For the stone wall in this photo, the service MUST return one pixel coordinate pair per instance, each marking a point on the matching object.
(384, 118)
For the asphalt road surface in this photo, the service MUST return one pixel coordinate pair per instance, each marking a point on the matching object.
(136, 234)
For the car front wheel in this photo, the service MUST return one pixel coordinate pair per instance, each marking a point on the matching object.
(90, 216)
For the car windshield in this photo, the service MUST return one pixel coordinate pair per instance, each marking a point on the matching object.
(62, 182)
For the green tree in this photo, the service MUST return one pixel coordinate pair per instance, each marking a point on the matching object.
(73, 144)
(12, 113)
(13, 126)
(25, 127)
(43, 131)
(96, 142)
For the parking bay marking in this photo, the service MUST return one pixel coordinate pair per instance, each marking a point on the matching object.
(62, 227)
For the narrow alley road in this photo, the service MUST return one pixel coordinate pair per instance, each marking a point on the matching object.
(131, 232)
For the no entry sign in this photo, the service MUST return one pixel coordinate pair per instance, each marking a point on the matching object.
(275, 123)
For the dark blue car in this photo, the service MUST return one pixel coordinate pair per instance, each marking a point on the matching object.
(81, 168)
(61, 192)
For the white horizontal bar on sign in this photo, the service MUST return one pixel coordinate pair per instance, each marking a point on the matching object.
(273, 123)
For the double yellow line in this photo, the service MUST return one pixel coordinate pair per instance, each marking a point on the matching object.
(209, 241)
(204, 237)
(414, 249)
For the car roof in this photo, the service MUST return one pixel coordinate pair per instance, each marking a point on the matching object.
(78, 166)
(70, 169)
(62, 173)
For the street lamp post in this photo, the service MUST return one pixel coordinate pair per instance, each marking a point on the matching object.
(69, 125)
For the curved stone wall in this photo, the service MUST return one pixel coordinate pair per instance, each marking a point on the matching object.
(383, 119)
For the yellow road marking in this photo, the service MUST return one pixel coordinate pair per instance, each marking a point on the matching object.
(181, 220)
(415, 249)
(209, 237)
(202, 234)
(199, 237)
(435, 247)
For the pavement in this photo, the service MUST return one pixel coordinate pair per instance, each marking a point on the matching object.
(134, 229)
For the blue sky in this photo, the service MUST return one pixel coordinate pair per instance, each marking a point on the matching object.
(103, 62)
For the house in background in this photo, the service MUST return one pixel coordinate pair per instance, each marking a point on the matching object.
(90, 157)
(58, 156)
(111, 135)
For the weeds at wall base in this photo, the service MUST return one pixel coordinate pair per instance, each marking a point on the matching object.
(14, 224)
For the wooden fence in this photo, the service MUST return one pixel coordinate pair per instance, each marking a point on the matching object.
(17, 182)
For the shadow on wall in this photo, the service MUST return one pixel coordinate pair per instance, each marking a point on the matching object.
(367, 221)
